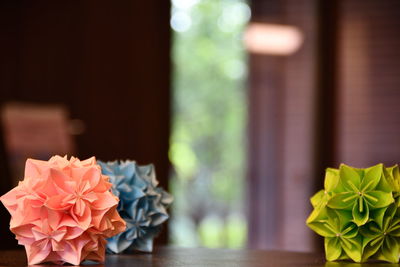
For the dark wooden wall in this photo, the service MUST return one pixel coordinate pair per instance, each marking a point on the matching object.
(107, 61)
(282, 97)
(335, 100)
(369, 82)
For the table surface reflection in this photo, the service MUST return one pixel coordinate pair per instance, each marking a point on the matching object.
(171, 256)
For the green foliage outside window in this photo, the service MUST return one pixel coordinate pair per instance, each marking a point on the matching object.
(208, 127)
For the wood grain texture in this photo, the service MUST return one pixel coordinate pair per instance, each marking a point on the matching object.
(167, 256)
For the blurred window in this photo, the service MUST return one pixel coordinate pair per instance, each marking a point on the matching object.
(207, 146)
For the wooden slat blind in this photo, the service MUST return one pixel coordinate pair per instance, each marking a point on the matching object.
(335, 100)
(369, 84)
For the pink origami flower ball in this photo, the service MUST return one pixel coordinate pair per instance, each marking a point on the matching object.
(63, 211)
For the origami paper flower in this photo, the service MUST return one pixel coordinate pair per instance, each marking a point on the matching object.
(358, 213)
(361, 191)
(342, 237)
(142, 205)
(320, 200)
(382, 236)
(63, 211)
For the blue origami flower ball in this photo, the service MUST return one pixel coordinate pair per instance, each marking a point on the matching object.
(142, 204)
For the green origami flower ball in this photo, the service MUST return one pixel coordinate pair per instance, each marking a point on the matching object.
(358, 213)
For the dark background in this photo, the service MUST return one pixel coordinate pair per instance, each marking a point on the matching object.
(108, 62)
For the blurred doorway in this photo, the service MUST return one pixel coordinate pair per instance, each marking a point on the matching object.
(209, 103)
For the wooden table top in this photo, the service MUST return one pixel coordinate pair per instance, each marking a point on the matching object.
(170, 256)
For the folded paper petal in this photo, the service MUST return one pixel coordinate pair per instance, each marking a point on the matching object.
(142, 204)
(63, 210)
